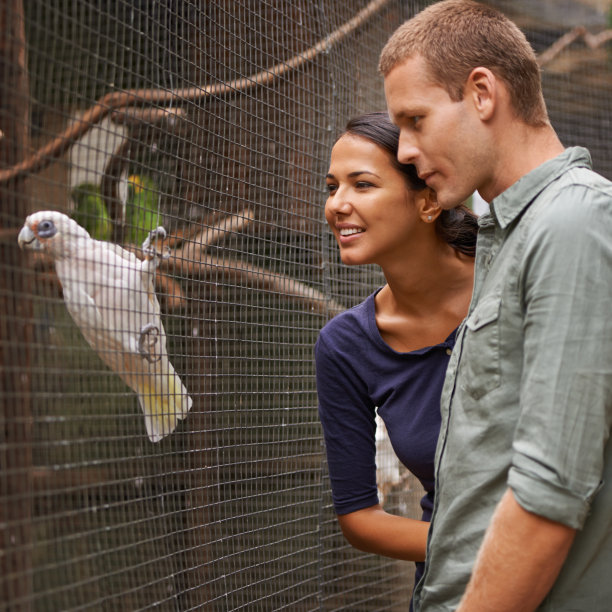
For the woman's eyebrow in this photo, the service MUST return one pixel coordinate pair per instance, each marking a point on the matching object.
(358, 172)
(329, 175)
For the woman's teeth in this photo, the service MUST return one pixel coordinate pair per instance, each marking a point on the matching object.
(350, 231)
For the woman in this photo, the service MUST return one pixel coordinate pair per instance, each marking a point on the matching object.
(389, 354)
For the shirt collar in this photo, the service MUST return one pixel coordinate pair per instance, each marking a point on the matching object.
(509, 204)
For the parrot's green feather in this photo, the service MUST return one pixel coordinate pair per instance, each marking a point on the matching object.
(90, 211)
(141, 211)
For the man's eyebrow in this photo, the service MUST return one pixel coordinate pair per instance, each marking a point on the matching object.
(405, 114)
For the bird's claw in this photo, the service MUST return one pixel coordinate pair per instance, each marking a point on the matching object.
(149, 248)
(149, 335)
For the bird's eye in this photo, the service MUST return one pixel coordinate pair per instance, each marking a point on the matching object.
(46, 229)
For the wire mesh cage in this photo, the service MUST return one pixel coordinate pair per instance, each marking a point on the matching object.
(213, 120)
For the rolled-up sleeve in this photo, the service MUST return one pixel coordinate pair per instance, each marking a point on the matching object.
(566, 385)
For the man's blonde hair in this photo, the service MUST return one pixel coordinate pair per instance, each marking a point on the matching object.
(456, 36)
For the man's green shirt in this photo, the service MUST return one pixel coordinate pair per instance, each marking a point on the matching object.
(527, 400)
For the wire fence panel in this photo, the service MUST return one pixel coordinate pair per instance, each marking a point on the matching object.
(159, 441)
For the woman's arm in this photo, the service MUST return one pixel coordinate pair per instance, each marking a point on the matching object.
(376, 531)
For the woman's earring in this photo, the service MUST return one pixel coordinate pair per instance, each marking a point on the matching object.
(429, 218)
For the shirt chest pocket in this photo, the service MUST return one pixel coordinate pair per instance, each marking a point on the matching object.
(480, 357)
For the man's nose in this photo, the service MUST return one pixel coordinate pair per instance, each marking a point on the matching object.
(407, 151)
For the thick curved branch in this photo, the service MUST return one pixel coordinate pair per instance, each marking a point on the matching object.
(259, 278)
(114, 101)
(192, 247)
(191, 258)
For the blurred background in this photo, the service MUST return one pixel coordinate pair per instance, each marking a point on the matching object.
(214, 119)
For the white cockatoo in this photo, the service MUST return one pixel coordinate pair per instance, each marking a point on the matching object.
(110, 295)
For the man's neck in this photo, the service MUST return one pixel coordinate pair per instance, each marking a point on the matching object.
(525, 148)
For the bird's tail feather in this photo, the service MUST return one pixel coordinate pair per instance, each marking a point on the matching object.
(162, 411)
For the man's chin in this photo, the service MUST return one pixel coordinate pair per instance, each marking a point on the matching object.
(451, 202)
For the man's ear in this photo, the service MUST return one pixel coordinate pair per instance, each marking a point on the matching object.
(427, 204)
(481, 88)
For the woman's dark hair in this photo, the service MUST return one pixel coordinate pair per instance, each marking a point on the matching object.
(457, 226)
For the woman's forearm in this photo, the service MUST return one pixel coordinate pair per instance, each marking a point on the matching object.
(376, 531)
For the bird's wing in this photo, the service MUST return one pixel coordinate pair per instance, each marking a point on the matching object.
(120, 252)
(105, 296)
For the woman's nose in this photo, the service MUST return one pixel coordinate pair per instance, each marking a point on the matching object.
(340, 202)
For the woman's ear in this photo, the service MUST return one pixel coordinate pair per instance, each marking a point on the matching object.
(427, 204)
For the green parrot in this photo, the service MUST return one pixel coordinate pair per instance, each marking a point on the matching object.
(90, 211)
(141, 208)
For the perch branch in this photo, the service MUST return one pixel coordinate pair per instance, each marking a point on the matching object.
(191, 258)
(211, 235)
(134, 117)
(260, 278)
(114, 101)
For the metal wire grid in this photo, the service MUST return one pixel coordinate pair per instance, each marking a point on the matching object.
(226, 512)
(231, 511)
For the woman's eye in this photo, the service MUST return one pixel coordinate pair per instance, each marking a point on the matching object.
(331, 187)
(416, 119)
(363, 184)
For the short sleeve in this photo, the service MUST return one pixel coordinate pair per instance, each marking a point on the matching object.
(348, 419)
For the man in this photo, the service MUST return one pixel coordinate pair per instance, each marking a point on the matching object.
(527, 401)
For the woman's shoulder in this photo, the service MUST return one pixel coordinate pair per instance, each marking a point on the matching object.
(354, 321)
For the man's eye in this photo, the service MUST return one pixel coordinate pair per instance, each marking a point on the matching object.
(416, 119)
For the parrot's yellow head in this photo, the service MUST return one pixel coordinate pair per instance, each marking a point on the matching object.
(135, 182)
(52, 232)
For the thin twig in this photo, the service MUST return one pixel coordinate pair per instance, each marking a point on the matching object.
(565, 41)
(592, 41)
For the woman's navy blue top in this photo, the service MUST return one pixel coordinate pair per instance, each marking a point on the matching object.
(358, 373)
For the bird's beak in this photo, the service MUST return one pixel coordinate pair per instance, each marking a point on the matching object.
(27, 239)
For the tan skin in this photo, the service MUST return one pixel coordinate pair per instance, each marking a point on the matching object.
(426, 296)
(522, 553)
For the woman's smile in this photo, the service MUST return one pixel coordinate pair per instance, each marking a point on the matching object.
(370, 206)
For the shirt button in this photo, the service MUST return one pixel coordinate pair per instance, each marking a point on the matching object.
(449, 351)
